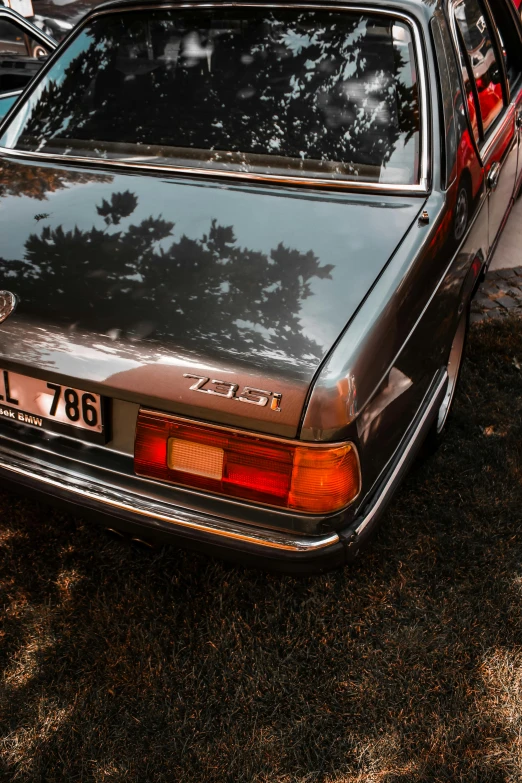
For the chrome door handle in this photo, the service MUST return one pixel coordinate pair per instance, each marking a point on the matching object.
(493, 175)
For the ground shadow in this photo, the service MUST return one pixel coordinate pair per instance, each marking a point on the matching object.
(128, 665)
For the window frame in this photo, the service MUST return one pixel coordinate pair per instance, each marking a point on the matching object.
(461, 50)
(516, 19)
(506, 90)
(421, 186)
(447, 67)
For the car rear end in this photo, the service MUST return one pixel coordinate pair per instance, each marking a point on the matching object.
(184, 248)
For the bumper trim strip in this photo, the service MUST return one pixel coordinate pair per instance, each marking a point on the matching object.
(112, 496)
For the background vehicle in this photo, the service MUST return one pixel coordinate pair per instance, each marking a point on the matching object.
(58, 19)
(247, 308)
(23, 49)
(55, 19)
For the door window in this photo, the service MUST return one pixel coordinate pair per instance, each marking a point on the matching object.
(510, 42)
(478, 40)
(471, 99)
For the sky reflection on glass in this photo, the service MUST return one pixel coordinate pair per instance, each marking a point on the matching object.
(312, 93)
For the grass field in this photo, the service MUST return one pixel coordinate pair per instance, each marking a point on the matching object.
(124, 664)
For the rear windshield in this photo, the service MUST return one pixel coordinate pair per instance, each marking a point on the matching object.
(307, 93)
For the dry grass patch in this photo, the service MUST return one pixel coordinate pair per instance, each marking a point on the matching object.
(121, 664)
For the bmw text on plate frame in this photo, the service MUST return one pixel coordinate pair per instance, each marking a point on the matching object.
(302, 234)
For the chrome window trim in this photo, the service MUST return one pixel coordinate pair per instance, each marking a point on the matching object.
(10, 94)
(421, 187)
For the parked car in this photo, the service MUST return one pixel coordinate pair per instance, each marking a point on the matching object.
(23, 49)
(284, 207)
(57, 19)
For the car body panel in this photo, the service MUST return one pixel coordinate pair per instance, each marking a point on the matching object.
(162, 282)
(374, 286)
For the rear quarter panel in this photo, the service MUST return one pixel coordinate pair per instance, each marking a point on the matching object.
(374, 381)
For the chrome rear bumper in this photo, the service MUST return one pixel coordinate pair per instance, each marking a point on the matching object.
(113, 498)
(99, 492)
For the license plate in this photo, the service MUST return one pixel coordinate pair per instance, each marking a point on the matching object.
(51, 406)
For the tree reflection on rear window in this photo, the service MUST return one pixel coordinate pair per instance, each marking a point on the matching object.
(316, 94)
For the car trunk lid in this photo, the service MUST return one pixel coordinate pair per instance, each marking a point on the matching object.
(135, 285)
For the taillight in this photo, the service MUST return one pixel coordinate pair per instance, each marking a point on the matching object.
(316, 479)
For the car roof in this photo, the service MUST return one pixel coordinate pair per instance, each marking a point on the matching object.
(418, 8)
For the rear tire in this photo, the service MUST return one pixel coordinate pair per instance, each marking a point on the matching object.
(462, 210)
(454, 367)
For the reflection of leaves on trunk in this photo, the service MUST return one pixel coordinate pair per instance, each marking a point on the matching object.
(37, 181)
(309, 85)
(133, 281)
(122, 205)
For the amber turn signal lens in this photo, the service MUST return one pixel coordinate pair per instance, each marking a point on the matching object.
(310, 479)
(324, 479)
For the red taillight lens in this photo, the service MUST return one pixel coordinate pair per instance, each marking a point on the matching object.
(313, 479)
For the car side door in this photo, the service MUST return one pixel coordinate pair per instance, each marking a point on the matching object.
(491, 111)
(509, 30)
